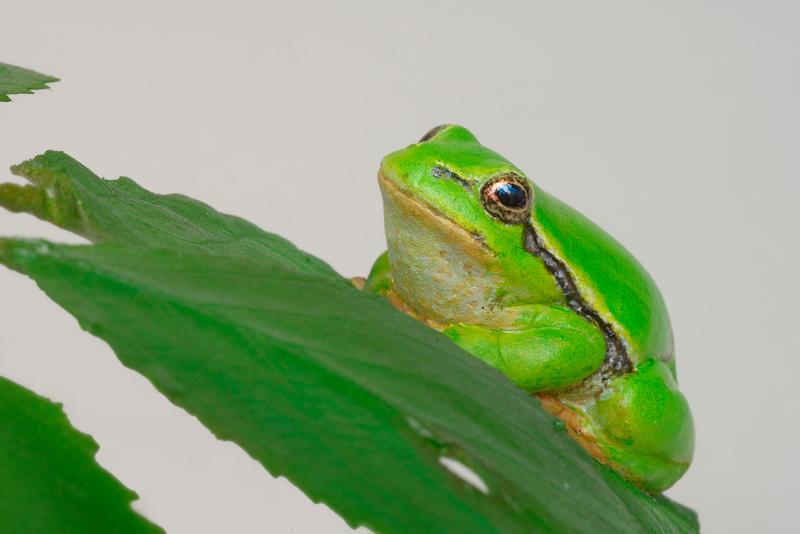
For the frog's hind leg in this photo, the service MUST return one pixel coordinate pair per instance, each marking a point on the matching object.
(640, 425)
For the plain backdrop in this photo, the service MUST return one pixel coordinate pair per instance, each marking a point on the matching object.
(672, 125)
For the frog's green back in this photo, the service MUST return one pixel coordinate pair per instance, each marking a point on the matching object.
(610, 278)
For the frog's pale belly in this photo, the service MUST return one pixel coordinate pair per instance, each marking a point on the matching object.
(440, 270)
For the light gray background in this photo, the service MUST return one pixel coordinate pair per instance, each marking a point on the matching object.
(672, 125)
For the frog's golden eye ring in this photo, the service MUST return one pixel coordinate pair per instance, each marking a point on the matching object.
(507, 197)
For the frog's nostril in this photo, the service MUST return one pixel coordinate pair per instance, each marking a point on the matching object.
(433, 131)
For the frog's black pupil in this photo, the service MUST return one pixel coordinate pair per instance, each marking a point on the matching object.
(511, 195)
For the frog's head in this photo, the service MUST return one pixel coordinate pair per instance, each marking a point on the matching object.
(452, 173)
(454, 212)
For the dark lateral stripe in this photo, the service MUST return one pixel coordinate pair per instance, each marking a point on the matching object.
(616, 360)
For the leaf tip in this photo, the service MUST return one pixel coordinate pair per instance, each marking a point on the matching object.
(16, 80)
(30, 169)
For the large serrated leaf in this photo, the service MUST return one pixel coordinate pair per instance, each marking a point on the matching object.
(49, 480)
(71, 196)
(353, 401)
(16, 80)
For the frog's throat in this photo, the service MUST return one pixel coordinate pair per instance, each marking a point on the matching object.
(442, 271)
(471, 243)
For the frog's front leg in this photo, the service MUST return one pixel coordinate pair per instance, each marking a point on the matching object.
(640, 424)
(548, 349)
(379, 279)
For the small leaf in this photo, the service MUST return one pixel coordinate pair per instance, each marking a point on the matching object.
(362, 407)
(49, 479)
(16, 80)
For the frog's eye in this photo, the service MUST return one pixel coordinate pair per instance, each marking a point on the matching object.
(507, 197)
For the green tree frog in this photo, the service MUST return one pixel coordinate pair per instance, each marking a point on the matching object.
(478, 251)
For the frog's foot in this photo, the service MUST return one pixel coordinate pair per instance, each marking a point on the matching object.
(358, 281)
(574, 425)
(640, 426)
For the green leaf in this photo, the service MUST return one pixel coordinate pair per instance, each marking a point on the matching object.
(16, 80)
(353, 401)
(71, 196)
(49, 480)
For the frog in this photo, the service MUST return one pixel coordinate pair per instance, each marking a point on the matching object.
(530, 286)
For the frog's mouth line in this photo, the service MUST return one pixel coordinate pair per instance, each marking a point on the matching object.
(474, 244)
